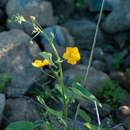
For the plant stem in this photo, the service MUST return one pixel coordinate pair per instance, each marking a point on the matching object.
(60, 70)
(91, 53)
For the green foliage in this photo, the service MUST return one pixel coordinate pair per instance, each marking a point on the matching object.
(80, 6)
(117, 60)
(21, 125)
(83, 114)
(83, 92)
(4, 79)
(48, 56)
(128, 71)
(110, 92)
(92, 127)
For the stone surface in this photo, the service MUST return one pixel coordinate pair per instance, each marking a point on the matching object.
(90, 107)
(61, 36)
(3, 3)
(123, 112)
(63, 9)
(118, 127)
(98, 54)
(2, 105)
(122, 79)
(94, 80)
(98, 65)
(83, 31)
(126, 63)
(42, 10)
(119, 19)
(16, 57)
(20, 109)
(127, 123)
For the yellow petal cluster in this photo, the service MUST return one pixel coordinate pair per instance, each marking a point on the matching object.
(39, 63)
(72, 55)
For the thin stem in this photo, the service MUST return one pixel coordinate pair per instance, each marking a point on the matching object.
(98, 118)
(60, 70)
(91, 54)
(94, 43)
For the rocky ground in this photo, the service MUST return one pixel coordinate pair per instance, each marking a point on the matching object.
(73, 22)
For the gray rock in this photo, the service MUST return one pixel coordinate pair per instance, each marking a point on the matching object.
(118, 127)
(121, 78)
(126, 63)
(121, 39)
(20, 109)
(42, 10)
(106, 123)
(3, 3)
(83, 31)
(62, 36)
(119, 19)
(127, 123)
(16, 57)
(122, 113)
(98, 54)
(2, 105)
(64, 9)
(90, 107)
(98, 65)
(94, 80)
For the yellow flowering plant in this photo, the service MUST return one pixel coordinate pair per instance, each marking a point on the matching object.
(72, 56)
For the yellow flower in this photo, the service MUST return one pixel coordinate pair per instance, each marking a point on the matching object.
(32, 18)
(39, 63)
(72, 55)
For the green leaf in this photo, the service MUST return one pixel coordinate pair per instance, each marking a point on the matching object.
(38, 123)
(92, 127)
(48, 56)
(83, 92)
(50, 110)
(83, 114)
(20, 125)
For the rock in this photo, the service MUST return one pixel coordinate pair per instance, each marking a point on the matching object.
(64, 9)
(16, 57)
(98, 65)
(94, 80)
(106, 123)
(83, 32)
(98, 54)
(62, 40)
(122, 113)
(94, 5)
(118, 127)
(108, 48)
(127, 123)
(2, 105)
(125, 99)
(122, 79)
(3, 3)
(62, 36)
(84, 57)
(90, 107)
(121, 39)
(20, 109)
(42, 10)
(118, 17)
(126, 63)
(1, 14)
